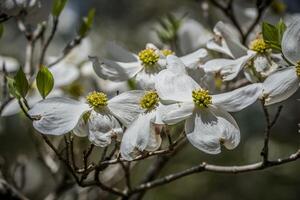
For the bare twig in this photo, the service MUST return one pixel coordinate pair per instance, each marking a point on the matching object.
(217, 169)
(48, 41)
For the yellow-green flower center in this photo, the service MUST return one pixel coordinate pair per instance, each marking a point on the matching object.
(149, 101)
(259, 45)
(201, 98)
(298, 68)
(97, 99)
(167, 52)
(148, 57)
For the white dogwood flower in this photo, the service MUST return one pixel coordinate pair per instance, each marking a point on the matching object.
(285, 82)
(258, 62)
(207, 122)
(144, 133)
(57, 116)
(31, 12)
(142, 67)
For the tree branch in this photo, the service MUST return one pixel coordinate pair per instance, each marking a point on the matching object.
(217, 169)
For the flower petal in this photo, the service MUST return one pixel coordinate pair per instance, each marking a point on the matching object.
(11, 64)
(175, 64)
(291, 42)
(231, 41)
(173, 85)
(140, 136)
(238, 99)
(119, 53)
(81, 129)
(192, 35)
(115, 71)
(102, 128)
(126, 106)
(193, 59)
(57, 115)
(33, 97)
(175, 113)
(64, 74)
(206, 129)
(146, 79)
(280, 85)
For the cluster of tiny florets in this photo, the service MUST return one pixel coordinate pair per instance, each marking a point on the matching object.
(149, 101)
(298, 68)
(259, 45)
(201, 98)
(97, 99)
(167, 52)
(148, 57)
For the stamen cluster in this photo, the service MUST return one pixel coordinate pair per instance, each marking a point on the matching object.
(148, 57)
(259, 45)
(201, 98)
(149, 101)
(167, 52)
(97, 99)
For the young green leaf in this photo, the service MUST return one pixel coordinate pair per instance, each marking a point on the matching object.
(21, 83)
(44, 81)
(58, 6)
(12, 87)
(270, 33)
(281, 27)
(87, 23)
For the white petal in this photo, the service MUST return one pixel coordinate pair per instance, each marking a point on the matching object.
(175, 64)
(230, 71)
(291, 42)
(64, 74)
(238, 99)
(102, 128)
(11, 64)
(11, 108)
(192, 35)
(219, 46)
(81, 129)
(193, 59)
(126, 106)
(115, 71)
(174, 87)
(228, 68)
(175, 113)
(231, 40)
(208, 127)
(32, 98)
(119, 53)
(215, 65)
(280, 85)
(57, 115)
(151, 46)
(146, 79)
(140, 135)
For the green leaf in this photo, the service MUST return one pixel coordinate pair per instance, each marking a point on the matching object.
(269, 32)
(1, 30)
(58, 6)
(87, 23)
(21, 83)
(12, 87)
(281, 27)
(44, 81)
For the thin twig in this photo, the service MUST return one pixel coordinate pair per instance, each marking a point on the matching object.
(217, 169)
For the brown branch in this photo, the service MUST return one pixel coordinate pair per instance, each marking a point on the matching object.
(217, 169)
(49, 40)
(7, 191)
(67, 50)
